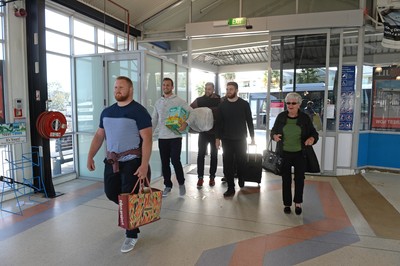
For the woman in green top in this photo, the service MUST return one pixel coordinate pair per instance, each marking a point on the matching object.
(293, 131)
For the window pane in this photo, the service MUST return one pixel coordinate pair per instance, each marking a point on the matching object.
(83, 31)
(81, 47)
(153, 84)
(366, 98)
(386, 100)
(121, 43)
(128, 68)
(1, 51)
(57, 43)
(59, 84)
(59, 92)
(57, 21)
(89, 92)
(105, 38)
(1, 28)
(102, 50)
(182, 83)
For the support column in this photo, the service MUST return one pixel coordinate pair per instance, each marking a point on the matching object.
(37, 83)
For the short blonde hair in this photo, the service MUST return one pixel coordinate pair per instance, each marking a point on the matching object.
(293, 95)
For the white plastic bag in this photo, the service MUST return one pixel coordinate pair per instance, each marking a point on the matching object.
(203, 119)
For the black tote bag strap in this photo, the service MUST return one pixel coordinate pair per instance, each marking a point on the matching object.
(269, 147)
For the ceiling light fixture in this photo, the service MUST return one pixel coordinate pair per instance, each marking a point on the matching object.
(378, 69)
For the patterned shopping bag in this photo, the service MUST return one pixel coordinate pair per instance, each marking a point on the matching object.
(139, 209)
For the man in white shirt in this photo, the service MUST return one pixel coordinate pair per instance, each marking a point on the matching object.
(169, 143)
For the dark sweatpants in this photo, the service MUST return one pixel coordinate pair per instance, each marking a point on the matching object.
(204, 140)
(234, 151)
(121, 182)
(170, 152)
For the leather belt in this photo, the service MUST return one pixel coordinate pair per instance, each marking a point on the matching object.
(113, 157)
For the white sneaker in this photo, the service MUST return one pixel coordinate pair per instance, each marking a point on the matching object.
(128, 244)
(166, 191)
(182, 190)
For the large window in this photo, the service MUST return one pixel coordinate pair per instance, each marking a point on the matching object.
(310, 85)
(69, 34)
(386, 99)
(3, 148)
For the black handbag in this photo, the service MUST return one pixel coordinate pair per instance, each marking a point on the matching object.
(272, 160)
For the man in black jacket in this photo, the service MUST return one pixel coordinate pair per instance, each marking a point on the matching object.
(210, 100)
(234, 117)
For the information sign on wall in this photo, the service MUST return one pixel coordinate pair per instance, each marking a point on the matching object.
(12, 133)
(386, 99)
(347, 98)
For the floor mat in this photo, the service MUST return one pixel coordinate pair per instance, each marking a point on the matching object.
(383, 218)
(219, 172)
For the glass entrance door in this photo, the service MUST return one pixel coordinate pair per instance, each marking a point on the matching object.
(127, 65)
(89, 94)
(95, 91)
(94, 85)
(309, 65)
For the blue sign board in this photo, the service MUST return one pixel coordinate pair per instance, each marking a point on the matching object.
(347, 98)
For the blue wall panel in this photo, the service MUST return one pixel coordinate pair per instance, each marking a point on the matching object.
(379, 149)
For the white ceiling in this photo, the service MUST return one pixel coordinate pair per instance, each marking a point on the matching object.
(165, 20)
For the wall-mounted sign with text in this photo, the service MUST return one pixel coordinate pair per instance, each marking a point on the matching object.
(347, 98)
(386, 100)
(12, 133)
(389, 14)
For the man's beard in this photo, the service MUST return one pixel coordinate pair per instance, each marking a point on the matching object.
(167, 92)
(121, 98)
(231, 96)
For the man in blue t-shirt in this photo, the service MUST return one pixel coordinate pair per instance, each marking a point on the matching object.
(127, 129)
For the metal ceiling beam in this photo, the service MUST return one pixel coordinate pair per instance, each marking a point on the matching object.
(159, 13)
(97, 15)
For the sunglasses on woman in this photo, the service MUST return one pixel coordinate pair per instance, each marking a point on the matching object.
(291, 103)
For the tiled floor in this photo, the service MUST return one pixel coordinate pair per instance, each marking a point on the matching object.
(203, 228)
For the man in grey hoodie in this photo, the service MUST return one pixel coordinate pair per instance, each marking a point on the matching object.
(169, 143)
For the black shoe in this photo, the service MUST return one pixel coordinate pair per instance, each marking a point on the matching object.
(241, 182)
(298, 210)
(229, 193)
(287, 210)
(224, 179)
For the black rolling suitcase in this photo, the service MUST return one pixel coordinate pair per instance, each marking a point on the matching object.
(253, 169)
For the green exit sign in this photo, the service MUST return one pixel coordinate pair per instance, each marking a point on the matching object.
(237, 22)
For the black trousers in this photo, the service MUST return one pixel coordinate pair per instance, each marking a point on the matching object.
(121, 182)
(170, 152)
(298, 161)
(204, 140)
(234, 152)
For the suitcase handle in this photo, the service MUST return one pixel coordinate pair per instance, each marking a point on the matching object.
(248, 148)
(248, 152)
